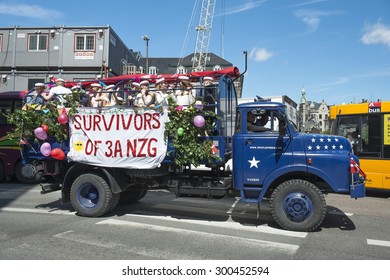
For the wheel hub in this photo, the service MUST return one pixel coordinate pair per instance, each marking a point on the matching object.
(297, 206)
(88, 195)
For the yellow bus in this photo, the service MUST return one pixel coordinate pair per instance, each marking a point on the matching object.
(367, 125)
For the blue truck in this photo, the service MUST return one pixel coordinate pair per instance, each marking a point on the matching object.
(278, 164)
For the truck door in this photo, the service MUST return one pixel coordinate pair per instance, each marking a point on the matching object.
(264, 149)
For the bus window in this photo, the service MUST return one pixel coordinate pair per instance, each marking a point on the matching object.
(374, 136)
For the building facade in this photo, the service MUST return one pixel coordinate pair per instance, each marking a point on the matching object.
(75, 53)
(37, 54)
(313, 117)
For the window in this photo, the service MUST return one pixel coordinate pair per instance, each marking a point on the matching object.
(1, 42)
(367, 129)
(260, 120)
(130, 69)
(152, 70)
(38, 42)
(85, 42)
(181, 70)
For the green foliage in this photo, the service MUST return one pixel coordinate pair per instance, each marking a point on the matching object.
(190, 142)
(33, 116)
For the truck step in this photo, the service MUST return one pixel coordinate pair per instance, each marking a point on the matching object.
(48, 188)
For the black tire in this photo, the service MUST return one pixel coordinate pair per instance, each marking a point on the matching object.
(131, 196)
(37, 178)
(298, 205)
(2, 172)
(91, 196)
(114, 203)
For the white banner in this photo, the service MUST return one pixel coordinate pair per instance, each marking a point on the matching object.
(118, 137)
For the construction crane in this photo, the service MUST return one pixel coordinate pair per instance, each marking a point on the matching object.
(203, 35)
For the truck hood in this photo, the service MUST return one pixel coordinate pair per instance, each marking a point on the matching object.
(322, 143)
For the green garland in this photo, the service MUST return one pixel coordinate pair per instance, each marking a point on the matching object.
(33, 116)
(189, 141)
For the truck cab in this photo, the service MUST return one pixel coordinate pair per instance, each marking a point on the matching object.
(273, 161)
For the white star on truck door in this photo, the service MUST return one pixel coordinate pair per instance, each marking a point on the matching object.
(253, 162)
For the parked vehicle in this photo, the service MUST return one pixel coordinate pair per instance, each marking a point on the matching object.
(10, 157)
(367, 125)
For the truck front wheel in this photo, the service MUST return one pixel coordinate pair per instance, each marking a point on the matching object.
(91, 196)
(298, 205)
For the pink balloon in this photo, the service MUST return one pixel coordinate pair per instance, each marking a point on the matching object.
(45, 149)
(63, 118)
(199, 121)
(40, 133)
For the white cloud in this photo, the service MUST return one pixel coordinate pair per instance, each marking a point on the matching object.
(312, 18)
(30, 11)
(309, 3)
(244, 7)
(377, 33)
(260, 55)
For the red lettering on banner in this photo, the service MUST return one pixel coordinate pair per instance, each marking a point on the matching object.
(108, 126)
(147, 119)
(141, 147)
(141, 152)
(114, 151)
(92, 147)
(152, 151)
(120, 122)
(156, 118)
(138, 121)
(124, 124)
(96, 122)
(76, 122)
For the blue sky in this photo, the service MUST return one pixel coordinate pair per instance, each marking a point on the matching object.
(338, 50)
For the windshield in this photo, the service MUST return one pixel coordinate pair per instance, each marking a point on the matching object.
(292, 124)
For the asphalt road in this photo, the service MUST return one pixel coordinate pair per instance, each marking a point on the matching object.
(164, 227)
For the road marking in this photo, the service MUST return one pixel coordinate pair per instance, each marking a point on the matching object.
(230, 211)
(378, 242)
(151, 215)
(225, 224)
(37, 211)
(251, 242)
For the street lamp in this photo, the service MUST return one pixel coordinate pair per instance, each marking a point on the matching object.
(146, 39)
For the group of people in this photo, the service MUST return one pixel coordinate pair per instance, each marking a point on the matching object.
(138, 94)
(40, 96)
(182, 92)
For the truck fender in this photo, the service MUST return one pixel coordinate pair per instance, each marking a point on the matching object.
(277, 173)
(77, 169)
(293, 169)
(335, 186)
(112, 182)
(298, 168)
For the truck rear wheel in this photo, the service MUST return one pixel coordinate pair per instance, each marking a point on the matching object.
(298, 205)
(91, 196)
